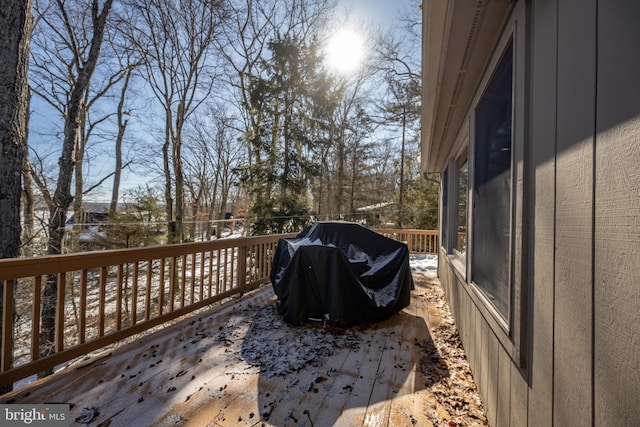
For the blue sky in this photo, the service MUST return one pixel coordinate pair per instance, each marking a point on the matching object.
(382, 11)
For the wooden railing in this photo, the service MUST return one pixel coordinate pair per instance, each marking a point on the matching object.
(107, 296)
(418, 241)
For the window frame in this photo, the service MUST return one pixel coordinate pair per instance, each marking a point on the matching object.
(485, 294)
(460, 154)
(445, 222)
(512, 330)
(460, 161)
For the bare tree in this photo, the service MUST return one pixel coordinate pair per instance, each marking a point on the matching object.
(382, 180)
(351, 126)
(129, 64)
(359, 157)
(351, 97)
(400, 65)
(212, 164)
(63, 41)
(15, 33)
(122, 127)
(57, 16)
(174, 39)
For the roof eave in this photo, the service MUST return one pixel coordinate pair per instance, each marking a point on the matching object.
(459, 37)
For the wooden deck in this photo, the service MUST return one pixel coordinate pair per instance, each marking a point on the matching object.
(240, 365)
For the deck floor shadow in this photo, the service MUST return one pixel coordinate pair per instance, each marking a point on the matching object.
(239, 364)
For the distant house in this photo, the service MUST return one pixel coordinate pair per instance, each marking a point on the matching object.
(89, 218)
(383, 214)
(531, 114)
(92, 213)
(91, 226)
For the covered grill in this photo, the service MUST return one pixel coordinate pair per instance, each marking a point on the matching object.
(340, 272)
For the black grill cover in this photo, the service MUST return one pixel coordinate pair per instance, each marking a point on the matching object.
(340, 272)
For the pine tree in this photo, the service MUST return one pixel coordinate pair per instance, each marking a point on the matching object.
(292, 88)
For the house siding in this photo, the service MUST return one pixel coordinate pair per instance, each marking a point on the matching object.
(617, 216)
(543, 120)
(576, 229)
(573, 261)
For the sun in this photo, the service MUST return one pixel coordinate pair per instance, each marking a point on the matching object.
(345, 51)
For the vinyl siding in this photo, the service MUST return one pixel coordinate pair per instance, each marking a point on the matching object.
(579, 268)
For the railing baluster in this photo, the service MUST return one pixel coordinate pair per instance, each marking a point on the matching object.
(161, 287)
(418, 241)
(147, 291)
(119, 297)
(172, 283)
(218, 271)
(193, 278)
(35, 318)
(183, 280)
(102, 301)
(210, 273)
(242, 266)
(253, 258)
(201, 275)
(7, 324)
(225, 265)
(134, 295)
(83, 306)
(60, 317)
(232, 276)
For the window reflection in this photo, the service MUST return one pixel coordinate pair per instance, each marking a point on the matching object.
(492, 186)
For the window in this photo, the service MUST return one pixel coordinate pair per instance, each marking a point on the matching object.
(445, 210)
(491, 218)
(463, 191)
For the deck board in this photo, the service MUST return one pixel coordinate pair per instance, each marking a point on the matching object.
(200, 372)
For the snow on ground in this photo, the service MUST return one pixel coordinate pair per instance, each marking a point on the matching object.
(423, 263)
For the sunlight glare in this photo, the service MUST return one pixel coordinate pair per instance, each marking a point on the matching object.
(345, 51)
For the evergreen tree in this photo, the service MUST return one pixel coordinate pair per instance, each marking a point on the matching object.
(292, 88)
(138, 224)
(421, 198)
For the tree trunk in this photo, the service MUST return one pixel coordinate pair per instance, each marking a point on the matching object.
(62, 197)
(341, 153)
(212, 207)
(81, 142)
(15, 33)
(354, 175)
(27, 205)
(284, 180)
(122, 126)
(168, 182)
(178, 170)
(401, 192)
